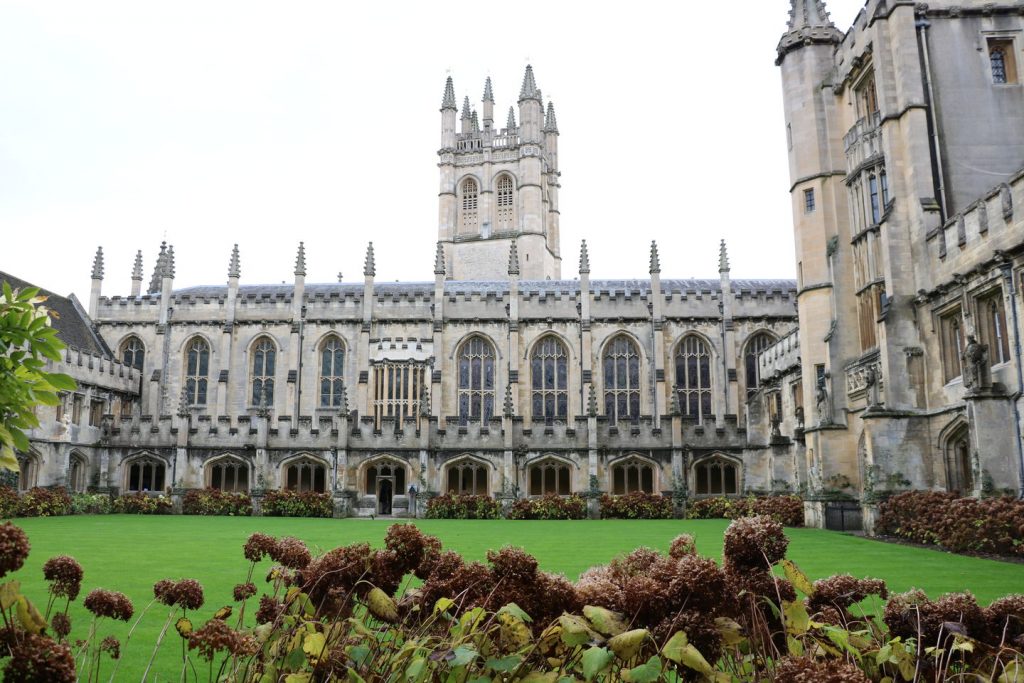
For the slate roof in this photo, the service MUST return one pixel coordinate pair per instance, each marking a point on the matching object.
(73, 324)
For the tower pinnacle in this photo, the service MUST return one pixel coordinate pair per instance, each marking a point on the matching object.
(655, 261)
(235, 265)
(158, 270)
(448, 101)
(488, 93)
(550, 122)
(584, 259)
(466, 114)
(369, 267)
(439, 260)
(723, 258)
(300, 260)
(137, 269)
(97, 265)
(511, 124)
(529, 91)
(513, 259)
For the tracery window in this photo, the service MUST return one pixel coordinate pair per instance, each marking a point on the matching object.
(998, 57)
(145, 475)
(716, 476)
(332, 371)
(306, 475)
(264, 361)
(621, 379)
(133, 353)
(467, 477)
(470, 202)
(229, 474)
(952, 343)
(397, 389)
(693, 377)
(1001, 54)
(197, 370)
(504, 204)
(755, 346)
(992, 327)
(632, 476)
(476, 380)
(549, 370)
(550, 477)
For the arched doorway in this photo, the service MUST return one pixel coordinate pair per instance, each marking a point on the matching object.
(385, 495)
(959, 468)
(385, 479)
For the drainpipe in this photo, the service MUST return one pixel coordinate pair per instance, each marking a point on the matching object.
(1008, 275)
(933, 121)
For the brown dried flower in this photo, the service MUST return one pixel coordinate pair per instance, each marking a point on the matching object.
(65, 574)
(682, 545)
(112, 645)
(216, 636)
(38, 659)
(755, 542)
(104, 603)
(269, 610)
(14, 548)
(291, 552)
(61, 624)
(807, 670)
(258, 546)
(244, 591)
(186, 593)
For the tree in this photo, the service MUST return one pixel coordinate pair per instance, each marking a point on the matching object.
(27, 341)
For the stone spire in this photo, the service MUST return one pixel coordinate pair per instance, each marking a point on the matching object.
(448, 101)
(511, 124)
(137, 269)
(370, 266)
(300, 260)
(529, 91)
(488, 93)
(655, 261)
(235, 265)
(723, 258)
(158, 270)
(550, 122)
(466, 114)
(584, 259)
(476, 121)
(809, 24)
(97, 264)
(439, 260)
(513, 259)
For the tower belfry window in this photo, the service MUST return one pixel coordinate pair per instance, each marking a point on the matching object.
(504, 217)
(470, 202)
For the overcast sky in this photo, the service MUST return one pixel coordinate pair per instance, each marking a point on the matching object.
(265, 124)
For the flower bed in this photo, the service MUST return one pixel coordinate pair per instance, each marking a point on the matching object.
(989, 525)
(297, 504)
(789, 510)
(216, 502)
(451, 506)
(549, 507)
(636, 505)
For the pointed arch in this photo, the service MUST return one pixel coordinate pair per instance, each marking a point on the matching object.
(304, 472)
(754, 345)
(467, 475)
(228, 472)
(621, 377)
(384, 477)
(332, 354)
(693, 357)
(145, 472)
(549, 378)
(262, 369)
(78, 472)
(469, 205)
(717, 474)
(476, 370)
(632, 473)
(196, 364)
(549, 474)
(955, 442)
(504, 202)
(132, 352)
(28, 470)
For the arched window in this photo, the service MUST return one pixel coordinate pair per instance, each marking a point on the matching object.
(304, 475)
(998, 56)
(621, 379)
(873, 198)
(78, 474)
(755, 346)
(467, 477)
(133, 353)
(145, 475)
(550, 477)
(549, 369)
(28, 472)
(959, 472)
(476, 380)
(197, 369)
(228, 474)
(716, 477)
(632, 476)
(470, 201)
(332, 372)
(693, 377)
(505, 205)
(264, 357)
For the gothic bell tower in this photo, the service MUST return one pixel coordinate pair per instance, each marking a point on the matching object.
(499, 186)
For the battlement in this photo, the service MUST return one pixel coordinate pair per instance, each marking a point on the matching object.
(781, 357)
(93, 369)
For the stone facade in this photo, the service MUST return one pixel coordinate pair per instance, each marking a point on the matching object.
(906, 148)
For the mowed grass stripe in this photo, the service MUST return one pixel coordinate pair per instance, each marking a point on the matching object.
(130, 553)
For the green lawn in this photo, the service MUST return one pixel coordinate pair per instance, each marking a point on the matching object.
(130, 553)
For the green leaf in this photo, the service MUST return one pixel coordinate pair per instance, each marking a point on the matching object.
(604, 620)
(298, 678)
(797, 620)
(313, 646)
(443, 605)
(1013, 672)
(30, 618)
(515, 610)
(505, 664)
(61, 382)
(595, 660)
(463, 656)
(673, 650)
(645, 673)
(627, 645)
(575, 631)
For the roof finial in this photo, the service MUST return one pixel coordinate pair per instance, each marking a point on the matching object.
(655, 261)
(808, 13)
(137, 270)
(466, 113)
(723, 258)
(513, 259)
(158, 270)
(550, 122)
(529, 90)
(369, 267)
(511, 125)
(448, 101)
(439, 260)
(300, 260)
(340, 278)
(476, 122)
(235, 265)
(97, 265)
(488, 94)
(584, 259)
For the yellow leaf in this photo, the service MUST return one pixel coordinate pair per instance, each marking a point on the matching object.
(313, 646)
(604, 620)
(184, 627)
(797, 578)
(381, 605)
(627, 645)
(797, 619)
(223, 613)
(1013, 672)
(513, 633)
(30, 618)
(731, 632)
(9, 593)
(298, 678)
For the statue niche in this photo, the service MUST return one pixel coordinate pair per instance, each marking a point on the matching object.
(976, 369)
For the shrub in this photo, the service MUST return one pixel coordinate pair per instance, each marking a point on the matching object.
(297, 504)
(636, 505)
(451, 506)
(549, 507)
(789, 510)
(141, 504)
(8, 502)
(216, 502)
(40, 502)
(991, 525)
(91, 504)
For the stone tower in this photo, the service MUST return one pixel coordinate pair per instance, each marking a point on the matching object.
(499, 185)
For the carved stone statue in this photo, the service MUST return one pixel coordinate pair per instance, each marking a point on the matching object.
(871, 382)
(824, 403)
(977, 373)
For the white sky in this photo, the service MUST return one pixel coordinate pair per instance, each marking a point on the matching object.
(268, 123)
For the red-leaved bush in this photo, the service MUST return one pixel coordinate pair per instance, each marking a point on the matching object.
(549, 507)
(452, 506)
(216, 502)
(788, 510)
(297, 504)
(989, 525)
(636, 505)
